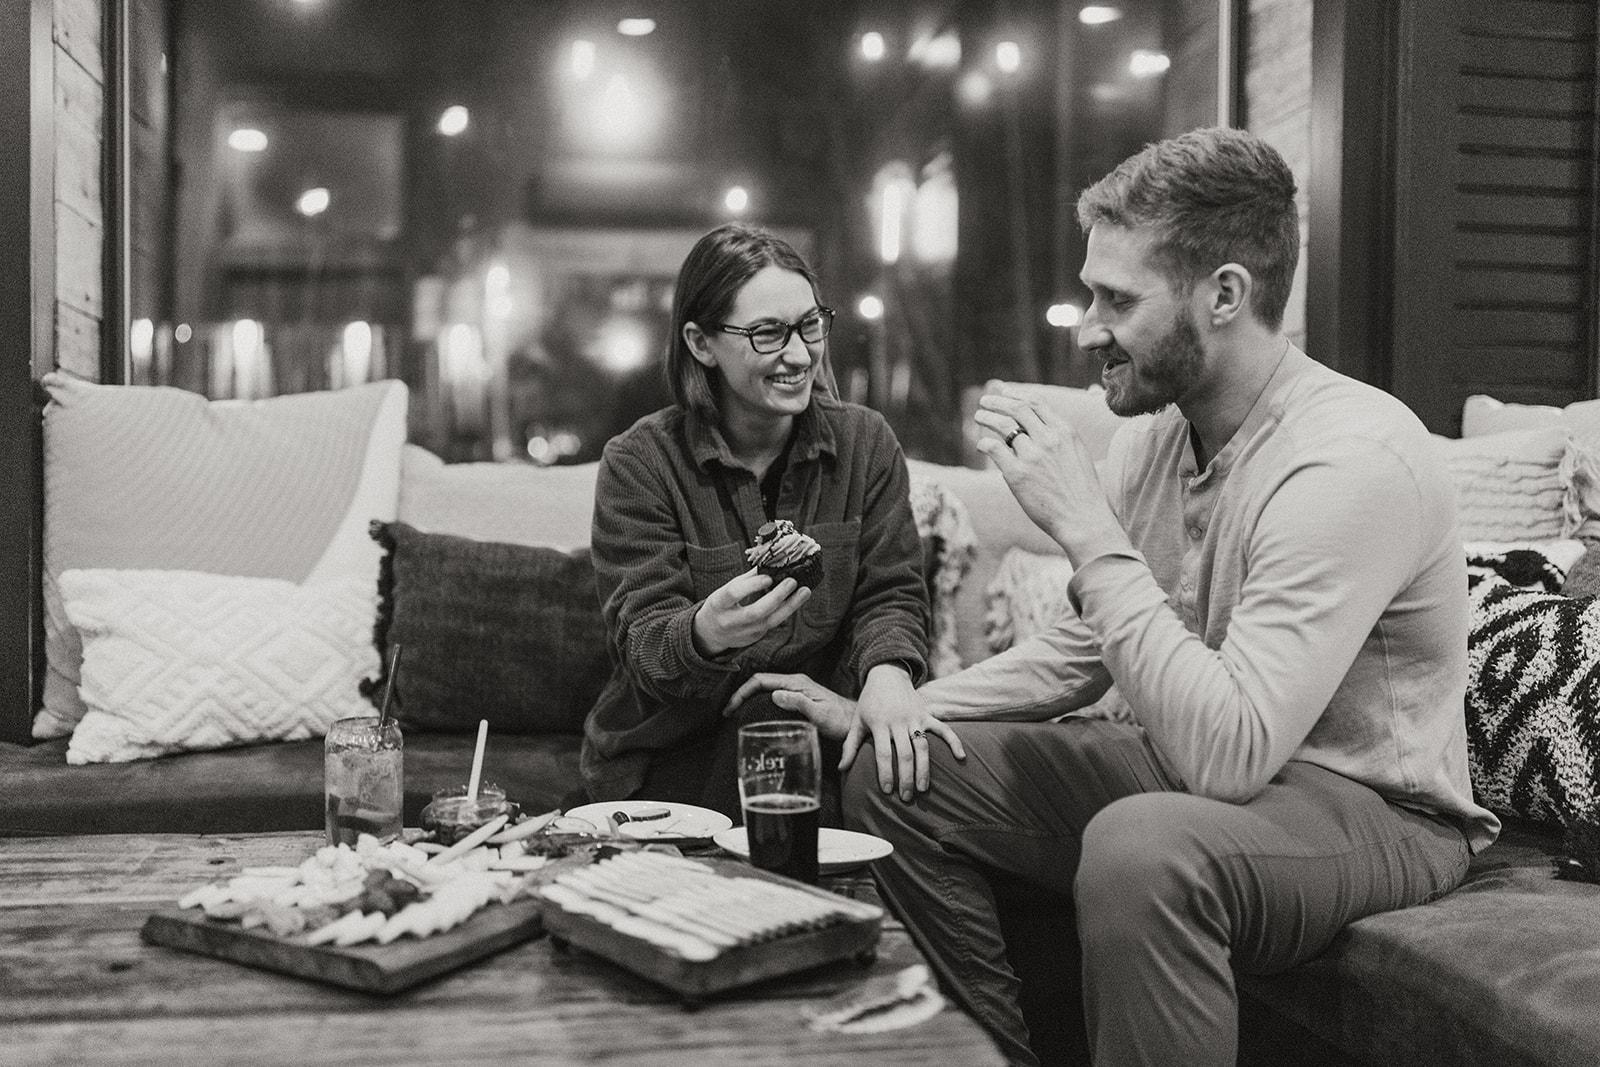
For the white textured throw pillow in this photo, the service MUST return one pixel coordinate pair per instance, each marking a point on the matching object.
(146, 477)
(178, 661)
(1510, 486)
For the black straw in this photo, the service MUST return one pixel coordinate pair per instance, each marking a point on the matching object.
(388, 686)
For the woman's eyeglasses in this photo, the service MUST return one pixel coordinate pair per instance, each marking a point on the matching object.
(771, 337)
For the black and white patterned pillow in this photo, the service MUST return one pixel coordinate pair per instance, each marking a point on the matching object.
(1529, 564)
(1533, 702)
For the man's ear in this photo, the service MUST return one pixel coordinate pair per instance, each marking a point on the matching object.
(1228, 295)
(699, 344)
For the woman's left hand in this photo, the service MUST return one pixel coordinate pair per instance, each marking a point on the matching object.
(833, 715)
(890, 710)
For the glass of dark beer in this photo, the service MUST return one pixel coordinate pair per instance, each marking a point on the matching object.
(780, 783)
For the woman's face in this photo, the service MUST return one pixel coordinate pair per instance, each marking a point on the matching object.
(773, 385)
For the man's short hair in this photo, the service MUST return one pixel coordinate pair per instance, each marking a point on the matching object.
(1209, 197)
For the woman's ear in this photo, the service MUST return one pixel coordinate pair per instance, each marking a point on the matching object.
(699, 344)
(1229, 293)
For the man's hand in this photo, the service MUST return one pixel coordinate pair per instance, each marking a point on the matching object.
(833, 715)
(1051, 474)
(742, 611)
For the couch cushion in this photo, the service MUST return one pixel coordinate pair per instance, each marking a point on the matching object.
(158, 478)
(1499, 973)
(179, 661)
(517, 503)
(270, 786)
(508, 633)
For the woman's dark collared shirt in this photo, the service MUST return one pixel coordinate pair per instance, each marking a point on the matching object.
(674, 512)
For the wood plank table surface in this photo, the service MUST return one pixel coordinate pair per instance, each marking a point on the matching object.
(78, 986)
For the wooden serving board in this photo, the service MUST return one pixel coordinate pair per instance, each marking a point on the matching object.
(739, 966)
(367, 967)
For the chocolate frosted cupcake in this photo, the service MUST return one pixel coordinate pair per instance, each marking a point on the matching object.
(784, 552)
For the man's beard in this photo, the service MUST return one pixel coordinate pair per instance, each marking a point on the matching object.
(1162, 376)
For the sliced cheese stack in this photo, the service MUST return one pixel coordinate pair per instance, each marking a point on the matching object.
(687, 909)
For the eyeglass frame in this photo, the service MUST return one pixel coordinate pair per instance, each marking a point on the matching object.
(789, 330)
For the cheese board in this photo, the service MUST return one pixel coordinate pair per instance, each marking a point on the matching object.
(704, 926)
(370, 968)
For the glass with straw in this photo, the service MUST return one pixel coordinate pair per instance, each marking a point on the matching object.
(363, 772)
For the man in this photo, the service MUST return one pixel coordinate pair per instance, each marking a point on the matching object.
(1273, 577)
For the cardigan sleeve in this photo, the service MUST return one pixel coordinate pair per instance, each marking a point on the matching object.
(643, 579)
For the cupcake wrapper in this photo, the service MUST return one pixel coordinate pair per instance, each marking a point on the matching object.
(808, 572)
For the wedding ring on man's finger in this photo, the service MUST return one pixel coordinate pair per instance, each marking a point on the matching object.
(916, 734)
(1013, 435)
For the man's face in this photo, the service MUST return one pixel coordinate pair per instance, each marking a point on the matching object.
(1139, 324)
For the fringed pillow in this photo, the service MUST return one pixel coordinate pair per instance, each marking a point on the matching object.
(1028, 596)
(950, 544)
(1533, 701)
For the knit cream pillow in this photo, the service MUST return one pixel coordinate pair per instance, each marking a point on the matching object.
(178, 661)
(1510, 486)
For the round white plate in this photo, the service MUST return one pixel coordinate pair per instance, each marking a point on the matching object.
(837, 850)
(684, 823)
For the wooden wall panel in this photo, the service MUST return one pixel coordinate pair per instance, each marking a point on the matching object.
(77, 341)
(78, 35)
(80, 199)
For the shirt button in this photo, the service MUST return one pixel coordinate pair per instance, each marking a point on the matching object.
(1195, 532)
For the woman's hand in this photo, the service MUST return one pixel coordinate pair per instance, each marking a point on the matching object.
(833, 715)
(742, 611)
(890, 710)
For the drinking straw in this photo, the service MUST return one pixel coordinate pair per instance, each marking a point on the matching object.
(477, 762)
(388, 686)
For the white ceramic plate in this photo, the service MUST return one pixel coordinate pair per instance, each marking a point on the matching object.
(837, 850)
(684, 822)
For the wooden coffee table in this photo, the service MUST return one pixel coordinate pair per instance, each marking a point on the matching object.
(78, 986)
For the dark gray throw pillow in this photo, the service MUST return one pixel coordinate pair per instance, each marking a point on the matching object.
(508, 633)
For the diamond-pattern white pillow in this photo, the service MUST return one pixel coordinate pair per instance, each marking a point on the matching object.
(179, 661)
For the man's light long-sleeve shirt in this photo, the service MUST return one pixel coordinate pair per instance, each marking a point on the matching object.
(1302, 597)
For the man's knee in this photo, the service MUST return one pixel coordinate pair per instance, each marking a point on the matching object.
(1142, 854)
(862, 800)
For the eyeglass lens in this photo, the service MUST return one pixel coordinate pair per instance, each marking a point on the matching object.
(772, 337)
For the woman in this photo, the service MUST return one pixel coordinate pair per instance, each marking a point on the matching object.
(755, 433)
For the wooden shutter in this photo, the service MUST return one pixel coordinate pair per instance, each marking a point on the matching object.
(1495, 151)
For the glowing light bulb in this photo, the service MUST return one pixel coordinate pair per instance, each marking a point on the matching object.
(872, 46)
(636, 27)
(1063, 315)
(736, 199)
(1099, 15)
(247, 140)
(870, 308)
(1008, 57)
(1146, 64)
(454, 120)
(313, 202)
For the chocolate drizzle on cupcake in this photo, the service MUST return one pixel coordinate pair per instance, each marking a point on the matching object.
(784, 552)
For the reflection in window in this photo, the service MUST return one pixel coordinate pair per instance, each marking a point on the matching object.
(490, 198)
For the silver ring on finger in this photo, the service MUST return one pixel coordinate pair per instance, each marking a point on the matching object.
(1013, 435)
(917, 735)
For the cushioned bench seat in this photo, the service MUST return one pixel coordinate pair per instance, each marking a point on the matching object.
(1505, 971)
(273, 786)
